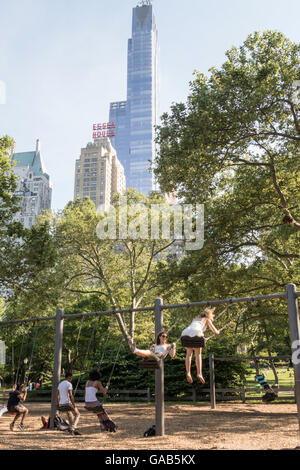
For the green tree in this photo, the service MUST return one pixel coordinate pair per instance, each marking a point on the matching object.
(9, 230)
(73, 262)
(234, 146)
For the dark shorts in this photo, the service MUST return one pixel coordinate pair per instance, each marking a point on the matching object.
(95, 407)
(16, 409)
(195, 342)
(66, 408)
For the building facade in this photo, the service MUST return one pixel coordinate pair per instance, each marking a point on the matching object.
(98, 173)
(120, 141)
(33, 186)
(140, 114)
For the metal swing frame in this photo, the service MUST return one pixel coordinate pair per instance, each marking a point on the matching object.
(290, 295)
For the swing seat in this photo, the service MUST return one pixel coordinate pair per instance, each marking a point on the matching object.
(193, 341)
(149, 363)
(95, 409)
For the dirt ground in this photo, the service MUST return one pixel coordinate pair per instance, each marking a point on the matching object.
(230, 426)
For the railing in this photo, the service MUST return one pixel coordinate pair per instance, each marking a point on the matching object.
(120, 395)
(236, 394)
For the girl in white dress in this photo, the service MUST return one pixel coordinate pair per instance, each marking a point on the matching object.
(192, 338)
(159, 350)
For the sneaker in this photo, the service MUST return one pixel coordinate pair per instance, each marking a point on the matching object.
(3, 410)
(21, 427)
(76, 432)
(11, 426)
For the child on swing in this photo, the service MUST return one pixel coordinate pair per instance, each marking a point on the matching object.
(15, 405)
(159, 350)
(192, 338)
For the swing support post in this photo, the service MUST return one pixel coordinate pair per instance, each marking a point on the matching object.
(159, 375)
(57, 362)
(212, 382)
(295, 339)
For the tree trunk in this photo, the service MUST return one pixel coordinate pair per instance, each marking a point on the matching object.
(256, 361)
(270, 355)
(132, 319)
(69, 364)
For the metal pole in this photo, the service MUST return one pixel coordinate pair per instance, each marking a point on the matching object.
(295, 339)
(57, 362)
(212, 382)
(159, 376)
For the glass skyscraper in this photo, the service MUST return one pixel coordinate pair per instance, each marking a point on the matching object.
(138, 116)
(120, 141)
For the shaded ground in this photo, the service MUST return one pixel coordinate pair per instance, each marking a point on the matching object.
(230, 426)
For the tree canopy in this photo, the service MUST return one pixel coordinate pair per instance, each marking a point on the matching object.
(234, 146)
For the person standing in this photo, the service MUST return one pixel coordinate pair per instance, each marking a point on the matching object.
(66, 404)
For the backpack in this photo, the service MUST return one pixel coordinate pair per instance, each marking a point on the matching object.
(150, 432)
(59, 424)
(109, 425)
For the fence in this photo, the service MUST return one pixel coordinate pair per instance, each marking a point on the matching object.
(242, 391)
(114, 395)
(235, 394)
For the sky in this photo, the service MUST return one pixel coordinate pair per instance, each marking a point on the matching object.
(64, 61)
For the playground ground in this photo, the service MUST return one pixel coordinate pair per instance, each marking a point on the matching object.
(188, 427)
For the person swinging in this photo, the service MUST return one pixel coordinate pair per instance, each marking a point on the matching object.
(92, 387)
(158, 351)
(192, 338)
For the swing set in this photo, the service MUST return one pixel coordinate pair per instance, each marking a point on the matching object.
(290, 295)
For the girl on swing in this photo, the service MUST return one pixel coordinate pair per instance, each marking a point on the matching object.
(92, 387)
(192, 338)
(159, 350)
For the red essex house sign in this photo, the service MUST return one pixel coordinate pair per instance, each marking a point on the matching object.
(107, 129)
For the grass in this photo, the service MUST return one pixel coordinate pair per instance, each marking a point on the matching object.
(285, 379)
(285, 376)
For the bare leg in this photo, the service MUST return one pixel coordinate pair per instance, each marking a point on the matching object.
(14, 421)
(199, 364)
(76, 415)
(70, 419)
(17, 417)
(143, 353)
(44, 422)
(24, 415)
(188, 363)
(101, 417)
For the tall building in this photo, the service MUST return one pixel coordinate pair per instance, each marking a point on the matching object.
(33, 186)
(120, 141)
(98, 173)
(138, 116)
